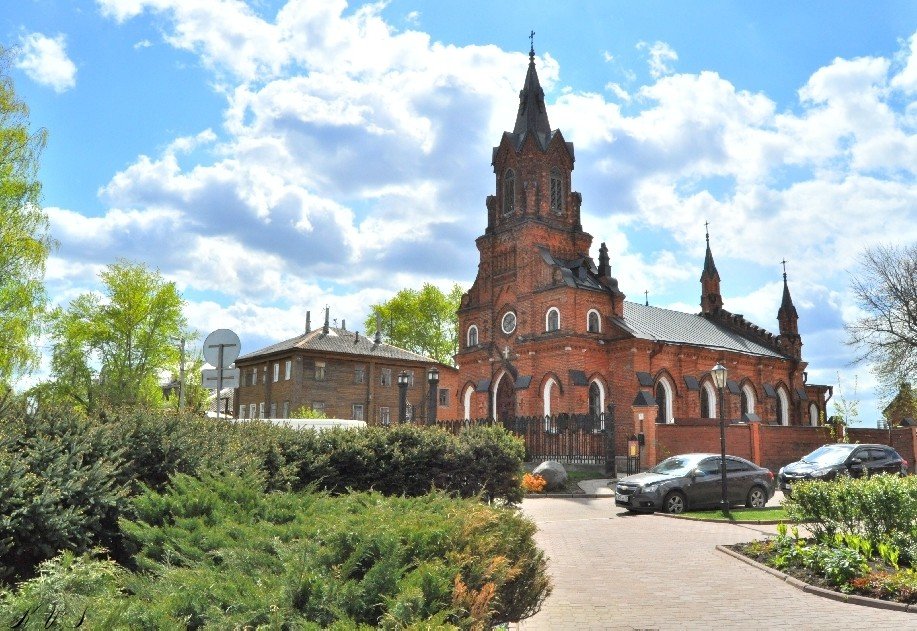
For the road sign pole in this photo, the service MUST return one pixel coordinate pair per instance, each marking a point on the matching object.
(219, 378)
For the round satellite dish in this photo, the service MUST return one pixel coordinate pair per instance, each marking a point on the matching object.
(225, 339)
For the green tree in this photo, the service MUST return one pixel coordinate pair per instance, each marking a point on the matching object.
(885, 288)
(24, 239)
(111, 349)
(423, 321)
(306, 411)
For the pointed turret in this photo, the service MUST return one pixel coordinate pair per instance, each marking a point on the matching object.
(532, 115)
(789, 322)
(710, 298)
(786, 315)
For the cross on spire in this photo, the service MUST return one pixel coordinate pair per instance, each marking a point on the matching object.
(783, 262)
(532, 44)
(707, 230)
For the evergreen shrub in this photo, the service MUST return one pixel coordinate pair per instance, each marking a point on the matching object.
(219, 552)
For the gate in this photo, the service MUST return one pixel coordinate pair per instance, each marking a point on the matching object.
(566, 438)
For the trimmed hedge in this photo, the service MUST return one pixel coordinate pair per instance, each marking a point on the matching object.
(219, 552)
(66, 480)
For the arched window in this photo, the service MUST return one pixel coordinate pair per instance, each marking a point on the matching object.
(467, 401)
(783, 407)
(546, 395)
(472, 336)
(596, 398)
(509, 192)
(552, 320)
(593, 322)
(708, 401)
(813, 414)
(664, 402)
(748, 399)
(557, 192)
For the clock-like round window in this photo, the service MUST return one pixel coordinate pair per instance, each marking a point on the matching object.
(508, 324)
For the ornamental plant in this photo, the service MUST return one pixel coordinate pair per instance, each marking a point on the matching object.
(533, 483)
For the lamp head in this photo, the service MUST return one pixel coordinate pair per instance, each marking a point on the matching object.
(719, 374)
(433, 374)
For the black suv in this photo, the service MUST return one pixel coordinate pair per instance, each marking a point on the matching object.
(829, 461)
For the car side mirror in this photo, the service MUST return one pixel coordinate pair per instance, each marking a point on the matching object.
(855, 461)
(695, 473)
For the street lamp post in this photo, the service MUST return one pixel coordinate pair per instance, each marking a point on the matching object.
(433, 380)
(719, 378)
(402, 396)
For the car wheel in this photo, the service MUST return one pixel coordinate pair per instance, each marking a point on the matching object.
(757, 497)
(674, 503)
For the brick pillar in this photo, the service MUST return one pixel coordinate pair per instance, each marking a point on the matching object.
(913, 438)
(754, 438)
(645, 422)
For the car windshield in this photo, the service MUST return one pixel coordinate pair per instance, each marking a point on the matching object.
(676, 465)
(829, 454)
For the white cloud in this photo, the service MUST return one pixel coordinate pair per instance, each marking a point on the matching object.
(144, 43)
(660, 56)
(44, 60)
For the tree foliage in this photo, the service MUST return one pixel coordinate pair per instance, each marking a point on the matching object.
(886, 292)
(110, 349)
(24, 239)
(423, 321)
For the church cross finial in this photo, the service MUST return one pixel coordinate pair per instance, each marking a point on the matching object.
(532, 44)
(646, 296)
(707, 230)
(783, 262)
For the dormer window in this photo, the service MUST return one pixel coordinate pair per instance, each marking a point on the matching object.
(509, 192)
(557, 192)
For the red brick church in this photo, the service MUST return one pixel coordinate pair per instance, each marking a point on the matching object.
(544, 330)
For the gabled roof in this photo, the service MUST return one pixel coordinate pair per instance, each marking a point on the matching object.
(580, 272)
(339, 341)
(665, 325)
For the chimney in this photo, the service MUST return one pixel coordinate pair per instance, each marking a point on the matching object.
(327, 315)
(308, 321)
(378, 338)
(343, 324)
(356, 337)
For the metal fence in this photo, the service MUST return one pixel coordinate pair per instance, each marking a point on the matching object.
(568, 438)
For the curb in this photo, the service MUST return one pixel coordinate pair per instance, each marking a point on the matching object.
(853, 599)
(589, 496)
(755, 522)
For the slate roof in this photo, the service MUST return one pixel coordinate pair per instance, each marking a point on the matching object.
(339, 341)
(580, 272)
(665, 325)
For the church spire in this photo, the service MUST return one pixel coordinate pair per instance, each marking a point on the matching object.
(786, 315)
(532, 115)
(710, 298)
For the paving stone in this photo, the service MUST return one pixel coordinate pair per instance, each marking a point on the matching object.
(612, 570)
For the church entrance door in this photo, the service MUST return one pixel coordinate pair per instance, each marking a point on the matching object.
(506, 399)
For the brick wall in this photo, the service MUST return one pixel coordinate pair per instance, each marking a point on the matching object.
(679, 439)
(783, 445)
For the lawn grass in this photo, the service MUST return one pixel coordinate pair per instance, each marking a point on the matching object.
(768, 513)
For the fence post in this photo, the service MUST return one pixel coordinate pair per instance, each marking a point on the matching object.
(611, 464)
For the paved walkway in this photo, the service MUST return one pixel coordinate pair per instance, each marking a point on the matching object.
(612, 570)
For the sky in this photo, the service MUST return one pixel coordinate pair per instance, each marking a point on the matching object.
(273, 157)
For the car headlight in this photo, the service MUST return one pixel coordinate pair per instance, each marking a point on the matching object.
(649, 488)
(820, 473)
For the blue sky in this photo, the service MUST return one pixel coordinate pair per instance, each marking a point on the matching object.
(274, 157)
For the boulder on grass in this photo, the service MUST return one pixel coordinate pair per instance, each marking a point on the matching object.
(554, 474)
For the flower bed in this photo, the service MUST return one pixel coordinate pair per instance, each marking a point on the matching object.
(864, 537)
